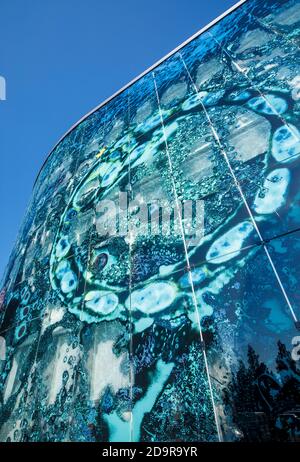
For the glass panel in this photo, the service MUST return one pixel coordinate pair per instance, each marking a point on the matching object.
(18, 351)
(261, 149)
(165, 331)
(101, 401)
(249, 333)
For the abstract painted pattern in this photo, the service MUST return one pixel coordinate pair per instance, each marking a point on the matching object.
(141, 336)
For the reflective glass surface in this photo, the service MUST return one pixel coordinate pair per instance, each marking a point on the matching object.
(152, 293)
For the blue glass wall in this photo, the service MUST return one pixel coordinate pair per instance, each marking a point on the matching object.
(151, 330)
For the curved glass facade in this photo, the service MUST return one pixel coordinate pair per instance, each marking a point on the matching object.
(153, 291)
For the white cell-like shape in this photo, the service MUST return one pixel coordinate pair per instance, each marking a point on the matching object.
(268, 104)
(207, 71)
(174, 94)
(143, 112)
(153, 298)
(68, 282)
(251, 138)
(62, 247)
(101, 302)
(253, 39)
(62, 268)
(274, 192)
(286, 143)
(229, 245)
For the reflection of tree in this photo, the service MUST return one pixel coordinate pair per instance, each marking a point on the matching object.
(183, 411)
(266, 406)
